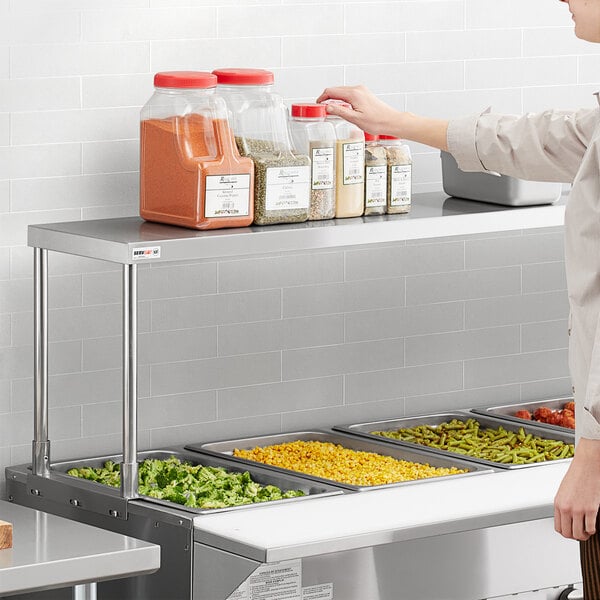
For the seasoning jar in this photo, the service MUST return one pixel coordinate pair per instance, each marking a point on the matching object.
(350, 165)
(191, 173)
(375, 176)
(260, 124)
(314, 136)
(399, 174)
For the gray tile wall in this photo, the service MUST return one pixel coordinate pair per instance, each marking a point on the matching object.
(269, 344)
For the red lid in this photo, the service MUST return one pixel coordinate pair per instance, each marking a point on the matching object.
(369, 137)
(388, 137)
(309, 111)
(244, 76)
(185, 79)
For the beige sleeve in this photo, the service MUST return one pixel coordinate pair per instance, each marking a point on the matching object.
(545, 146)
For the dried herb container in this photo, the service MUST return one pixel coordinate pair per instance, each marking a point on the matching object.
(375, 176)
(260, 124)
(312, 135)
(281, 182)
(350, 166)
(399, 175)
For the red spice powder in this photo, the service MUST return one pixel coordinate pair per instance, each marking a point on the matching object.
(177, 154)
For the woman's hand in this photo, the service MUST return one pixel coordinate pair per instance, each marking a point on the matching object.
(375, 116)
(368, 112)
(578, 497)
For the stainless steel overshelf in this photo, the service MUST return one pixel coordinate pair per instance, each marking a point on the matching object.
(133, 241)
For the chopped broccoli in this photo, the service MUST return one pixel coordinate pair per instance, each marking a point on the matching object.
(196, 486)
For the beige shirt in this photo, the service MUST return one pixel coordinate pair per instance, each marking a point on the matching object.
(564, 147)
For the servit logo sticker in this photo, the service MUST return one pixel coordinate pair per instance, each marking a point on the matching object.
(144, 253)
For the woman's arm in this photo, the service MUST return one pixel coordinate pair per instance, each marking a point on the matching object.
(544, 146)
(377, 117)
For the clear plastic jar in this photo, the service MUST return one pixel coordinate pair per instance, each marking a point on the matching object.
(314, 136)
(350, 166)
(260, 124)
(375, 176)
(399, 174)
(191, 173)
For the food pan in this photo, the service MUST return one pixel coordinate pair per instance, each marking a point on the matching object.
(364, 429)
(263, 476)
(413, 454)
(507, 411)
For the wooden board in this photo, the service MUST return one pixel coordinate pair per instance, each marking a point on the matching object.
(6, 535)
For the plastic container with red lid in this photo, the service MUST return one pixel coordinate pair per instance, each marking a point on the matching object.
(191, 172)
(314, 136)
(375, 176)
(236, 77)
(260, 123)
(350, 165)
(399, 195)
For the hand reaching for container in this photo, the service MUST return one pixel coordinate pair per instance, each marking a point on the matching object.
(375, 116)
(367, 111)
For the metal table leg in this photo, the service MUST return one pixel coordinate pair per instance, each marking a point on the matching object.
(41, 443)
(85, 591)
(129, 466)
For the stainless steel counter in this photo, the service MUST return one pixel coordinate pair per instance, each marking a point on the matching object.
(52, 552)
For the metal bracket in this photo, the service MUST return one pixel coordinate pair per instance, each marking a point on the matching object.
(100, 499)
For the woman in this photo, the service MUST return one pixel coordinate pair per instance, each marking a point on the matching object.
(551, 146)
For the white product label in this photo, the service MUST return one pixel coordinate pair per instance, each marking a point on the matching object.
(321, 591)
(376, 186)
(227, 196)
(401, 185)
(273, 581)
(354, 162)
(322, 168)
(145, 253)
(288, 188)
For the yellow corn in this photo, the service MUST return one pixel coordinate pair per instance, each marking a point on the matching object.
(333, 461)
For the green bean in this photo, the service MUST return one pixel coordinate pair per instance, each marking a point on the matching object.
(497, 445)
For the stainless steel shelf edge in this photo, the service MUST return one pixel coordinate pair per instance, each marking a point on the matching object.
(116, 240)
(432, 215)
(52, 237)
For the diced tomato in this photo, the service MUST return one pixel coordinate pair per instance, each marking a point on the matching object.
(542, 414)
(523, 414)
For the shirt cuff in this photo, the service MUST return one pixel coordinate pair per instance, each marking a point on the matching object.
(587, 426)
(462, 142)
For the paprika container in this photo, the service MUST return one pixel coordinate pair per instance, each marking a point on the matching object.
(350, 165)
(191, 173)
(260, 124)
(375, 176)
(399, 174)
(314, 136)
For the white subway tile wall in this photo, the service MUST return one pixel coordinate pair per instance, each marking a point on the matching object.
(263, 344)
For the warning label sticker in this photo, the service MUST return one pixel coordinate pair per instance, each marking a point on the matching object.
(281, 581)
(322, 591)
(274, 581)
